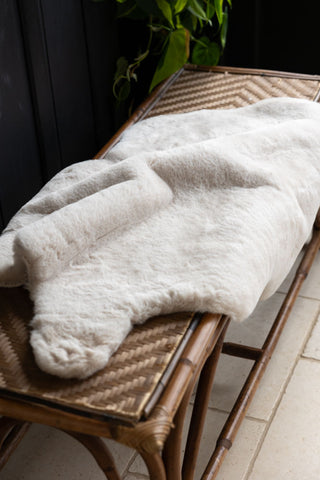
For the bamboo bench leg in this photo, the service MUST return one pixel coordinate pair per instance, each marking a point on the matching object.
(155, 466)
(200, 409)
(172, 450)
(100, 452)
(11, 433)
(173, 446)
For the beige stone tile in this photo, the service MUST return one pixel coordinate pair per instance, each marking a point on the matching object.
(232, 371)
(291, 448)
(121, 454)
(230, 376)
(291, 343)
(312, 349)
(311, 286)
(46, 453)
(138, 467)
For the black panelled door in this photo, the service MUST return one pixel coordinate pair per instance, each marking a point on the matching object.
(56, 107)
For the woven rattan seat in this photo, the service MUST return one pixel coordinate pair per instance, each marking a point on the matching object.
(121, 390)
(145, 388)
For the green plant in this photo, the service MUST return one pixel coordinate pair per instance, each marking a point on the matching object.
(176, 31)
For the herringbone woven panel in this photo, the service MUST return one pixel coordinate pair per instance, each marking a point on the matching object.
(197, 90)
(121, 389)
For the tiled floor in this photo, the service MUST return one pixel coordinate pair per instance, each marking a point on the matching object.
(280, 437)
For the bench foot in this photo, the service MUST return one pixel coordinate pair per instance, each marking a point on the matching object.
(155, 465)
(11, 433)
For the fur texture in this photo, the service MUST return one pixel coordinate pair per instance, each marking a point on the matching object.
(201, 211)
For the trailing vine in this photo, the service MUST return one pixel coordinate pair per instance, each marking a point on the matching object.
(178, 31)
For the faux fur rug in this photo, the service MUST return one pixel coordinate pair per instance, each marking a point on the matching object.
(200, 211)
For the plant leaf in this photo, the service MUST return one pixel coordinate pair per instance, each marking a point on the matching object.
(224, 28)
(173, 58)
(121, 69)
(180, 5)
(188, 20)
(210, 10)
(124, 91)
(195, 8)
(218, 6)
(126, 9)
(205, 52)
(166, 10)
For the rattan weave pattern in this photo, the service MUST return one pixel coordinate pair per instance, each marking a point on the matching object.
(121, 389)
(197, 90)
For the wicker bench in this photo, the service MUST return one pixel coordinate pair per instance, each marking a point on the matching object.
(140, 399)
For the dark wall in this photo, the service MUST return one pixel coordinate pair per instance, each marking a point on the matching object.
(289, 36)
(20, 170)
(56, 107)
(273, 34)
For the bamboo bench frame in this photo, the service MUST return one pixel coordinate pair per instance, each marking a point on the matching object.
(157, 433)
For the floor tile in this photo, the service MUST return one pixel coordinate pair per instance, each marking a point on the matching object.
(311, 286)
(291, 342)
(232, 371)
(46, 453)
(312, 349)
(292, 445)
(138, 466)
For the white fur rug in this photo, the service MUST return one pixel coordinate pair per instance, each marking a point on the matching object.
(201, 211)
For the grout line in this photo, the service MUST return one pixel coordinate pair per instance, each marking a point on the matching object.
(219, 410)
(256, 419)
(281, 394)
(248, 417)
(312, 359)
(129, 464)
(315, 321)
(306, 297)
(309, 298)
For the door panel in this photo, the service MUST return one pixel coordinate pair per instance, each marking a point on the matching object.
(56, 106)
(20, 166)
